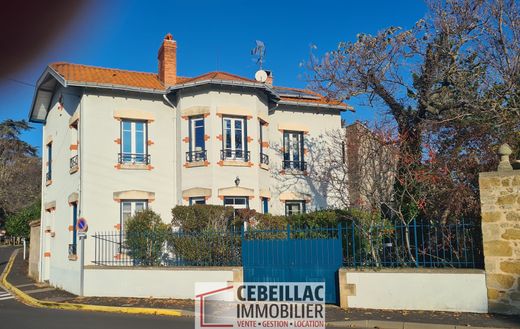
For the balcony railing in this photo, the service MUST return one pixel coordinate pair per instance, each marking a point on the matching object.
(264, 158)
(72, 249)
(133, 158)
(196, 156)
(240, 155)
(74, 161)
(298, 165)
(48, 176)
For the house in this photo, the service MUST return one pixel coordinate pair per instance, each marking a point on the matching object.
(117, 141)
(371, 163)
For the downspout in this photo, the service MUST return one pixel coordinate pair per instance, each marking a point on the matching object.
(81, 143)
(42, 211)
(176, 152)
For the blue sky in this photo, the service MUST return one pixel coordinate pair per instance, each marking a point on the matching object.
(211, 35)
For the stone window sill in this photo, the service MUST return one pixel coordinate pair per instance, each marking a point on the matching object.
(137, 166)
(264, 166)
(196, 164)
(233, 163)
(73, 257)
(48, 182)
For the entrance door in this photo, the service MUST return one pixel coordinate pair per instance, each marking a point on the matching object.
(295, 257)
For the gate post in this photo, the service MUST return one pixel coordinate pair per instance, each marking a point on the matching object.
(500, 209)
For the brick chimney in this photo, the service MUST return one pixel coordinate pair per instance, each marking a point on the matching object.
(167, 57)
(270, 78)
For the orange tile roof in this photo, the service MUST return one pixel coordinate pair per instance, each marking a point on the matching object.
(100, 75)
(320, 100)
(218, 76)
(145, 80)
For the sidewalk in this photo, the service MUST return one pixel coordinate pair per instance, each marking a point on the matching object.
(336, 317)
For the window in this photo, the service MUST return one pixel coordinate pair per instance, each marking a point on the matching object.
(197, 200)
(234, 139)
(134, 148)
(294, 207)
(237, 202)
(73, 245)
(130, 208)
(293, 150)
(264, 158)
(73, 163)
(197, 150)
(265, 205)
(49, 162)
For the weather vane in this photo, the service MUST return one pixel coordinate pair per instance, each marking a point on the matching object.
(259, 53)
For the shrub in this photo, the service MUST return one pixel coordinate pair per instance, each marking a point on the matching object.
(197, 218)
(206, 248)
(146, 235)
(272, 222)
(17, 225)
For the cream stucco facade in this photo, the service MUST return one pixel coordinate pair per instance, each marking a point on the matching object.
(89, 172)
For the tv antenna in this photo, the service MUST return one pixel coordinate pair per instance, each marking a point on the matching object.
(259, 53)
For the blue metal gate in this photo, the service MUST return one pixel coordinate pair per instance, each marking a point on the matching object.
(309, 255)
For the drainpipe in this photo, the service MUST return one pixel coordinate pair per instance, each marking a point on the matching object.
(80, 205)
(177, 156)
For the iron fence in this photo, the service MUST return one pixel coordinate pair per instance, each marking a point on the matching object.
(208, 248)
(374, 246)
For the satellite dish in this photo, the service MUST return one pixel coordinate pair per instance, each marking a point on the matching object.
(261, 76)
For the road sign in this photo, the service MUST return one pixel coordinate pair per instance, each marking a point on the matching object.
(82, 226)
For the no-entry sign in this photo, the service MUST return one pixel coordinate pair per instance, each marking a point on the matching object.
(82, 226)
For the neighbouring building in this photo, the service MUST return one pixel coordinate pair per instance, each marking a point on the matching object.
(117, 141)
(371, 164)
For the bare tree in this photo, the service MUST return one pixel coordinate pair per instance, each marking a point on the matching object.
(457, 70)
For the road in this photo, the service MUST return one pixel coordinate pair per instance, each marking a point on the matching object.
(14, 314)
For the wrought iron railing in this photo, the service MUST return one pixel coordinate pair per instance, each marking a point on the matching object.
(48, 176)
(298, 165)
(229, 154)
(196, 156)
(133, 158)
(74, 161)
(72, 249)
(264, 158)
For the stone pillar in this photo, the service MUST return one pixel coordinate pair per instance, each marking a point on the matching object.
(500, 206)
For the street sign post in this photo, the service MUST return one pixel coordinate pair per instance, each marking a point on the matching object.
(82, 228)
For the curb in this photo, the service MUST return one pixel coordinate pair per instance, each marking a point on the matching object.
(398, 325)
(31, 301)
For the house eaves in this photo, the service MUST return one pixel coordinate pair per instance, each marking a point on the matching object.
(220, 82)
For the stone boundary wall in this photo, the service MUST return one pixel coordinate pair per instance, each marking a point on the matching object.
(500, 205)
